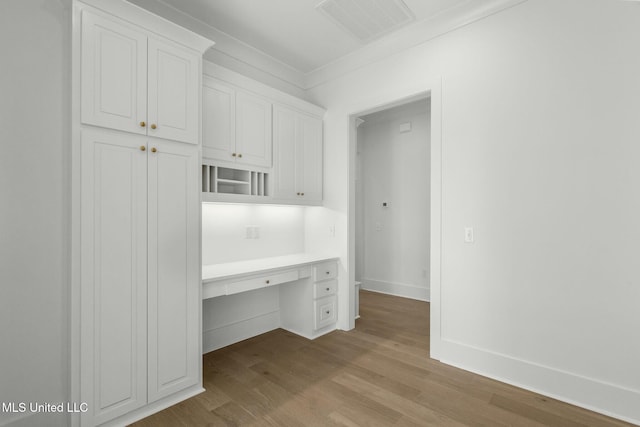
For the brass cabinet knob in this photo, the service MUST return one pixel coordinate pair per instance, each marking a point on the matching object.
(302, 194)
(142, 124)
(143, 148)
(153, 150)
(267, 282)
(239, 155)
(298, 194)
(233, 154)
(153, 126)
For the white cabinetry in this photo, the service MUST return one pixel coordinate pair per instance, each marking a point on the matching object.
(236, 125)
(140, 228)
(298, 156)
(137, 83)
(309, 308)
(136, 288)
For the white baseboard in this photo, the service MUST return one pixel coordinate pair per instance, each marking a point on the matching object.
(598, 396)
(223, 336)
(398, 289)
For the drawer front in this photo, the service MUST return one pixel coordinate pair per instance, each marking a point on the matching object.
(325, 271)
(324, 289)
(325, 312)
(276, 279)
(261, 282)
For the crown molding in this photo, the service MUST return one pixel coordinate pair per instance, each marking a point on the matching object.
(419, 33)
(245, 59)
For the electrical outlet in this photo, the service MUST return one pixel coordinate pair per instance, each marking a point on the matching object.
(468, 234)
(252, 232)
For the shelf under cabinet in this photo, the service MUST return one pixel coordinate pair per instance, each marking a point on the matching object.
(225, 180)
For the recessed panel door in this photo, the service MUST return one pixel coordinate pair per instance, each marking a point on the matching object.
(114, 274)
(174, 268)
(113, 74)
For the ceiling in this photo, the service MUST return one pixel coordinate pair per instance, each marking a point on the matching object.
(292, 31)
(295, 41)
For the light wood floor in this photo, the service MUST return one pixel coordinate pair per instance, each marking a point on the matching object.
(376, 375)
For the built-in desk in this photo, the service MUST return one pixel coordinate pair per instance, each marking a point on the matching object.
(246, 298)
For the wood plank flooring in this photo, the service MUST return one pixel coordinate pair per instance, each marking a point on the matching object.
(379, 374)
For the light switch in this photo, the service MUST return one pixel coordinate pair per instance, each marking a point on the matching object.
(468, 234)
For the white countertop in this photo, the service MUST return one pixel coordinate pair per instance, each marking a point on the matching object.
(231, 269)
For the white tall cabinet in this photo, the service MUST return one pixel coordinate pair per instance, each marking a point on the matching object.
(136, 293)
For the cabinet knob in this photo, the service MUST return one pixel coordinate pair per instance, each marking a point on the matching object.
(143, 148)
(153, 150)
(302, 194)
(298, 194)
(239, 155)
(328, 289)
(267, 282)
(142, 124)
(328, 272)
(153, 126)
(327, 312)
(233, 154)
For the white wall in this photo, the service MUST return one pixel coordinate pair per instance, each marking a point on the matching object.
(393, 242)
(281, 230)
(34, 197)
(540, 155)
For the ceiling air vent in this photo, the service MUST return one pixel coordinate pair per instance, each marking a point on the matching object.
(367, 19)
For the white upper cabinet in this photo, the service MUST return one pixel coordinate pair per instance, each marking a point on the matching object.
(218, 121)
(298, 152)
(236, 125)
(114, 74)
(136, 83)
(173, 92)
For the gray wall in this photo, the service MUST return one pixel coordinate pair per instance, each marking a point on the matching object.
(34, 170)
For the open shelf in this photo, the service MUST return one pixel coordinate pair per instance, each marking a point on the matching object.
(226, 180)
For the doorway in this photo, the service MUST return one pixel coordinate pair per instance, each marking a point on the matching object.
(431, 89)
(392, 197)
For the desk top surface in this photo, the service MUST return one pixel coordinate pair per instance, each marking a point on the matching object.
(228, 270)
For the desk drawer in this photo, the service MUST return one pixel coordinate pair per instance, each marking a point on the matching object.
(324, 289)
(261, 282)
(324, 271)
(325, 312)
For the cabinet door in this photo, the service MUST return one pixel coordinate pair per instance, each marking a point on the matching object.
(284, 148)
(174, 268)
(218, 121)
(113, 307)
(114, 74)
(253, 130)
(174, 88)
(309, 158)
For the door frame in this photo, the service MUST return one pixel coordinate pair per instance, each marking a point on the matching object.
(431, 89)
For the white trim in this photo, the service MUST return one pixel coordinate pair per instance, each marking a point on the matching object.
(433, 88)
(155, 24)
(230, 333)
(404, 290)
(588, 393)
(217, 73)
(407, 38)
